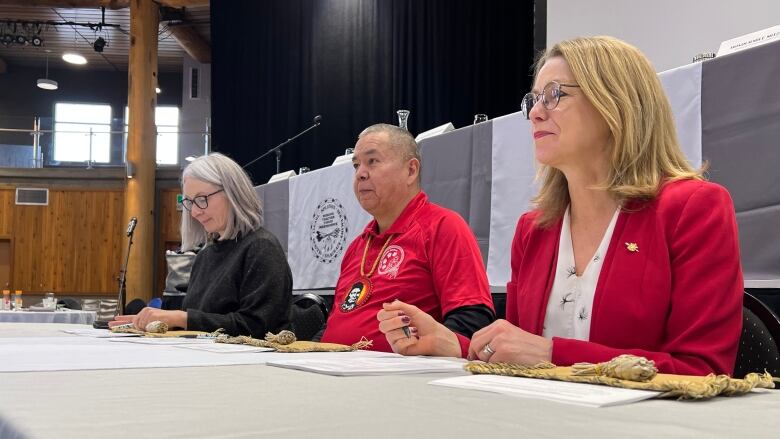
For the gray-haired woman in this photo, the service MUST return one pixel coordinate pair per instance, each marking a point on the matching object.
(240, 281)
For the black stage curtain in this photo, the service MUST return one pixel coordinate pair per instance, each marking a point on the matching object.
(278, 63)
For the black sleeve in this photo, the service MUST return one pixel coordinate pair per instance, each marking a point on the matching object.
(469, 319)
(318, 336)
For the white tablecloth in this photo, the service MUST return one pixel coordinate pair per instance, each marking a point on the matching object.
(261, 401)
(64, 316)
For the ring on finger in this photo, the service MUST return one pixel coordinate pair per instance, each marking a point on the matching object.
(487, 350)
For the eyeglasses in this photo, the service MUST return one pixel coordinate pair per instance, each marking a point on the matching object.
(551, 94)
(202, 201)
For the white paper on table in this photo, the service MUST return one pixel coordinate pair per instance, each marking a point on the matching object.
(98, 333)
(591, 395)
(226, 348)
(385, 365)
(167, 341)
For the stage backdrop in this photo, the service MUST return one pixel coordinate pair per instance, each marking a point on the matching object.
(278, 63)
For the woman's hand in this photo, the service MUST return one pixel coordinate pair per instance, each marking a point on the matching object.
(174, 319)
(426, 335)
(121, 320)
(502, 341)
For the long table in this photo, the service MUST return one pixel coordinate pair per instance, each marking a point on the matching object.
(262, 401)
(60, 316)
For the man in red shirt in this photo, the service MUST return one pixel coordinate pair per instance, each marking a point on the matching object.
(413, 252)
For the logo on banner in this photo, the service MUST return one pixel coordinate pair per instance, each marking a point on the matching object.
(391, 261)
(328, 230)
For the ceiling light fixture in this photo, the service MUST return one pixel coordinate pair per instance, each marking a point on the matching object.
(46, 83)
(73, 58)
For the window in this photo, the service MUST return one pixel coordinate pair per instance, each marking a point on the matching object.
(82, 132)
(167, 121)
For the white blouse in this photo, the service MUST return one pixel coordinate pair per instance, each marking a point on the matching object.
(571, 299)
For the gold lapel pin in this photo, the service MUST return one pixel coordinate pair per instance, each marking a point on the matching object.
(632, 247)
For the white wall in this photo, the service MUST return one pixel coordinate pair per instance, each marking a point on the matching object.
(669, 32)
(195, 113)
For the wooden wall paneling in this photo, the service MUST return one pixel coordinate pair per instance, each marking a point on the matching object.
(27, 232)
(169, 237)
(73, 245)
(103, 249)
(61, 240)
(6, 210)
(170, 217)
(6, 261)
(115, 241)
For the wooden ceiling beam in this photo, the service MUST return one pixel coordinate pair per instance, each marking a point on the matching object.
(192, 43)
(77, 4)
(183, 3)
(108, 4)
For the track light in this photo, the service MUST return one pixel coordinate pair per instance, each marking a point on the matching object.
(99, 44)
(36, 41)
(21, 40)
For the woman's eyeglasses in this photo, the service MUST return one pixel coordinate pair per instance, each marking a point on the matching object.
(202, 201)
(550, 96)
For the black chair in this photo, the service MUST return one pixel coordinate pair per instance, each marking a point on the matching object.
(134, 307)
(758, 345)
(176, 303)
(307, 315)
(69, 303)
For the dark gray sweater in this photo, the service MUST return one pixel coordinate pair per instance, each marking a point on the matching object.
(243, 285)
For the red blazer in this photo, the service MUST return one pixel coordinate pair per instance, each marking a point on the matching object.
(677, 300)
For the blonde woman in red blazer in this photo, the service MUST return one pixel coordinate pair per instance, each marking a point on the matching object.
(668, 284)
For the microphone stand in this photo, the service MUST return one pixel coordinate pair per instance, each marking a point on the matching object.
(120, 298)
(278, 148)
(120, 302)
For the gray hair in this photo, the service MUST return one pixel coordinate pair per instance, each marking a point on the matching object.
(399, 139)
(245, 214)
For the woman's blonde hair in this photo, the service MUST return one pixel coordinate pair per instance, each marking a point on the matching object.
(245, 212)
(622, 85)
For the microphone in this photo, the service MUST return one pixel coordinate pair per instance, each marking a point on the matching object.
(131, 226)
(278, 148)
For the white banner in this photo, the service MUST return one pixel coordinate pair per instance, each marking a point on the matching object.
(514, 170)
(683, 88)
(324, 217)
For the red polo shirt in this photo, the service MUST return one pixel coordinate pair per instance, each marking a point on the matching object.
(431, 261)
